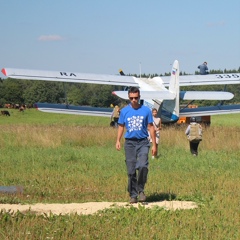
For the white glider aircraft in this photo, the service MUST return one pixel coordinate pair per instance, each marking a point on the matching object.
(162, 93)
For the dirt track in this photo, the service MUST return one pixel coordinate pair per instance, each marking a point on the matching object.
(91, 207)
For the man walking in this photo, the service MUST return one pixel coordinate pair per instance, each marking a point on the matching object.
(194, 135)
(138, 120)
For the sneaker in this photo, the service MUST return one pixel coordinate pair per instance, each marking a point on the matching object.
(133, 200)
(142, 197)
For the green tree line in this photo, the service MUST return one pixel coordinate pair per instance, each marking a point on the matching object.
(14, 91)
(27, 92)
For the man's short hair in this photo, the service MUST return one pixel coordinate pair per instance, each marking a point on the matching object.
(205, 62)
(134, 90)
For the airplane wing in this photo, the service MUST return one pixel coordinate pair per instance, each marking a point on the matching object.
(209, 79)
(184, 95)
(76, 110)
(205, 95)
(206, 111)
(69, 77)
(187, 80)
(166, 95)
(107, 112)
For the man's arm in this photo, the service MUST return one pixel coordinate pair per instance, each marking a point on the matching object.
(200, 129)
(119, 136)
(112, 115)
(187, 130)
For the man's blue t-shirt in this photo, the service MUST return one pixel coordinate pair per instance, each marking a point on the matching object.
(136, 121)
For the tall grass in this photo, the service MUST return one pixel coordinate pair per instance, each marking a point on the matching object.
(63, 158)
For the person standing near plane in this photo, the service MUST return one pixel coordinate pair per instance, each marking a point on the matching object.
(157, 123)
(115, 115)
(138, 120)
(203, 68)
(194, 135)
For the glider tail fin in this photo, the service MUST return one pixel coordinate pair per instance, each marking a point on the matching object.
(170, 108)
(174, 86)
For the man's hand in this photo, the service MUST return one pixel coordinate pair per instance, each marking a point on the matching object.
(154, 150)
(119, 136)
(118, 145)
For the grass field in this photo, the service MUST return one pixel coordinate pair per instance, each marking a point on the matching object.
(67, 158)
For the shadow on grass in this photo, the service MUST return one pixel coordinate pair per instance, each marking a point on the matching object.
(155, 197)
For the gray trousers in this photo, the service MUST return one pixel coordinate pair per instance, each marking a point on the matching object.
(136, 153)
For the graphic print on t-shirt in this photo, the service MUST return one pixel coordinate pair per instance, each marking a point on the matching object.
(135, 123)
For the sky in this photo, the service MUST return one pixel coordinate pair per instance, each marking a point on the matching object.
(102, 36)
